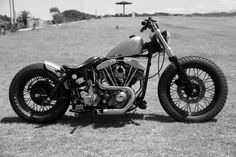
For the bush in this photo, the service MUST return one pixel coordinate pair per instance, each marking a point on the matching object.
(74, 15)
(58, 18)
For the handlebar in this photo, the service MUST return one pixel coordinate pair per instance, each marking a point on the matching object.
(149, 23)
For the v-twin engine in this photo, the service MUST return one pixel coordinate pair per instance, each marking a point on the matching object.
(116, 78)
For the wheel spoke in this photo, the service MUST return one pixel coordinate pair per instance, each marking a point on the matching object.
(207, 97)
(210, 87)
(194, 73)
(184, 107)
(171, 94)
(189, 109)
(196, 108)
(173, 89)
(199, 74)
(210, 92)
(199, 105)
(206, 101)
(177, 102)
(28, 101)
(206, 78)
(42, 107)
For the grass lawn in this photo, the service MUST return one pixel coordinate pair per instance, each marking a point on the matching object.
(149, 132)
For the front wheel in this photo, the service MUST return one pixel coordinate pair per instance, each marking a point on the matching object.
(207, 98)
(29, 95)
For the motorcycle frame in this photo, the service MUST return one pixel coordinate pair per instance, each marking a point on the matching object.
(184, 80)
(172, 58)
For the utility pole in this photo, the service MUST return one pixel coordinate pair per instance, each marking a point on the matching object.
(10, 11)
(14, 13)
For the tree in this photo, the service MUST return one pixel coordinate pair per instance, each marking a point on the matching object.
(56, 15)
(5, 18)
(74, 15)
(54, 10)
(23, 17)
(57, 18)
(2, 27)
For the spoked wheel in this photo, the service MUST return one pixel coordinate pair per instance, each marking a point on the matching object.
(30, 95)
(207, 97)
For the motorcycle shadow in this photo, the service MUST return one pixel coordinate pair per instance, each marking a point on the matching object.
(104, 120)
(114, 121)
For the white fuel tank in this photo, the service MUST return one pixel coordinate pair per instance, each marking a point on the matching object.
(130, 47)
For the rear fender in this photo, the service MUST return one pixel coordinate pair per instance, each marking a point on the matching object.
(55, 68)
(58, 71)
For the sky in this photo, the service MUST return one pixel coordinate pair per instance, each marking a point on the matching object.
(40, 8)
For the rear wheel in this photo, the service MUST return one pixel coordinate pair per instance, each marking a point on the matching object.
(29, 95)
(205, 100)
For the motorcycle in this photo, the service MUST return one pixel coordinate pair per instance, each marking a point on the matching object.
(190, 89)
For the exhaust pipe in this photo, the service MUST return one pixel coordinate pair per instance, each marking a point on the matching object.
(116, 111)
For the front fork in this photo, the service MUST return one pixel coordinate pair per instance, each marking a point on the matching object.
(183, 79)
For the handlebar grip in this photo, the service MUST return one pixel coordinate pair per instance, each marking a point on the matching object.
(143, 29)
(144, 23)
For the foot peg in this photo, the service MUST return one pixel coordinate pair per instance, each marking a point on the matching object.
(77, 109)
(143, 105)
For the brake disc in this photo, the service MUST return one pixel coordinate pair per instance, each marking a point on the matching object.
(196, 95)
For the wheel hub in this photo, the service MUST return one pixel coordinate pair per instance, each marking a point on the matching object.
(40, 91)
(197, 92)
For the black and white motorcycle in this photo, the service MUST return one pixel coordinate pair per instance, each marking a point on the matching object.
(191, 89)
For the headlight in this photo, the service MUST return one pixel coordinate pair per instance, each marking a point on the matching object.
(166, 36)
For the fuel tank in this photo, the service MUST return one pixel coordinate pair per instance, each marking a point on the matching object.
(132, 46)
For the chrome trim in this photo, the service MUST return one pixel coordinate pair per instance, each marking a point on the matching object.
(167, 47)
(55, 68)
(106, 64)
(116, 111)
(134, 63)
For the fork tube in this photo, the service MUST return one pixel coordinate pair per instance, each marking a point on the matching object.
(167, 47)
(174, 60)
(182, 74)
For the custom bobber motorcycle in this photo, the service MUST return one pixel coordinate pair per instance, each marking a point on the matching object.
(191, 89)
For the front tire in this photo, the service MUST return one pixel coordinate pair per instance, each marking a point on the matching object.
(210, 93)
(29, 95)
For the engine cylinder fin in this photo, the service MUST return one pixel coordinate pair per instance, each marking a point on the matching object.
(112, 74)
(109, 76)
(129, 73)
(132, 76)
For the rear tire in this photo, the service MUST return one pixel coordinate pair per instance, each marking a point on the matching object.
(29, 95)
(211, 92)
